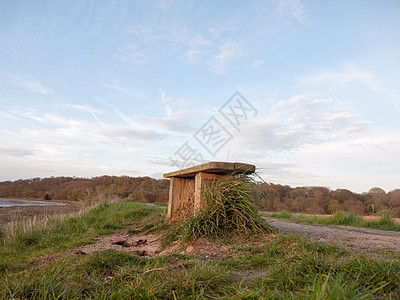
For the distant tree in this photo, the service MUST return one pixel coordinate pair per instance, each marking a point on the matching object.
(334, 205)
(312, 206)
(341, 195)
(298, 192)
(298, 204)
(377, 199)
(353, 206)
(268, 197)
(377, 190)
(394, 202)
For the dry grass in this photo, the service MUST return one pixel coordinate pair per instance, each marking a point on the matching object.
(20, 213)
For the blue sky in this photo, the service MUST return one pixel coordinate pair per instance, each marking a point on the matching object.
(119, 87)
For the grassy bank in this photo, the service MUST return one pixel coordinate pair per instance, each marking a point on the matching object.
(385, 222)
(253, 266)
(23, 241)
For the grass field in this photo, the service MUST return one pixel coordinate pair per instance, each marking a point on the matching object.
(384, 222)
(262, 265)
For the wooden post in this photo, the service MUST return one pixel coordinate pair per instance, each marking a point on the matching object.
(201, 181)
(180, 189)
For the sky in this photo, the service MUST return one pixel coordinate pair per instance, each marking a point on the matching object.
(308, 91)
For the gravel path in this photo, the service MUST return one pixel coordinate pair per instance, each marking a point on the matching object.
(369, 241)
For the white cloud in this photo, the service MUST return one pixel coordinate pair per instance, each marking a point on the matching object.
(258, 63)
(309, 140)
(46, 118)
(219, 30)
(229, 51)
(15, 151)
(339, 79)
(210, 48)
(131, 54)
(165, 100)
(138, 134)
(164, 5)
(87, 108)
(8, 115)
(362, 162)
(129, 120)
(118, 88)
(173, 121)
(194, 55)
(298, 122)
(349, 77)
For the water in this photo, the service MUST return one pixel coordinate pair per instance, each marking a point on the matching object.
(19, 202)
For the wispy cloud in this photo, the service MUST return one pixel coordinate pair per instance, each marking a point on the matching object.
(118, 88)
(27, 84)
(129, 120)
(349, 76)
(210, 48)
(228, 52)
(8, 115)
(87, 108)
(300, 121)
(175, 121)
(130, 53)
(15, 151)
(164, 5)
(45, 117)
(139, 134)
(338, 79)
(258, 63)
(292, 9)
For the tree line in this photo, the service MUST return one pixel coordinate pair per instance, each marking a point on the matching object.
(321, 200)
(267, 196)
(143, 189)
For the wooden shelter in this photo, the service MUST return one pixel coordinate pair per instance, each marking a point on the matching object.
(186, 185)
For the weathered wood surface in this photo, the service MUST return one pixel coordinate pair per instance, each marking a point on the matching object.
(214, 167)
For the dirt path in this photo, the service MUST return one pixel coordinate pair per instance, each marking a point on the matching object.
(369, 241)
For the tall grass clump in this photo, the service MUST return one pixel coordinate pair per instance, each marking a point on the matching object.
(227, 208)
(386, 220)
(342, 218)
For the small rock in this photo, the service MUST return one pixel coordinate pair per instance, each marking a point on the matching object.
(124, 243)
(189, 249)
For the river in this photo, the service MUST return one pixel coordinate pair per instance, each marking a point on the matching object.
(19, 202)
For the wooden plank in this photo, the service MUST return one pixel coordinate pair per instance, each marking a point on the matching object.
(180, 190)
(214, 167)
(201, 181)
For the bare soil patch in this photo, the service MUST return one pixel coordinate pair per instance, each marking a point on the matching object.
(149, 245)
(143, 245)
(369, 241)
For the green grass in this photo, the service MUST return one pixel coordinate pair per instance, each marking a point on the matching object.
(21, 241)
(385, 222)
(227, 209)
(273, 267)
(163, 204)
(285, 267)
